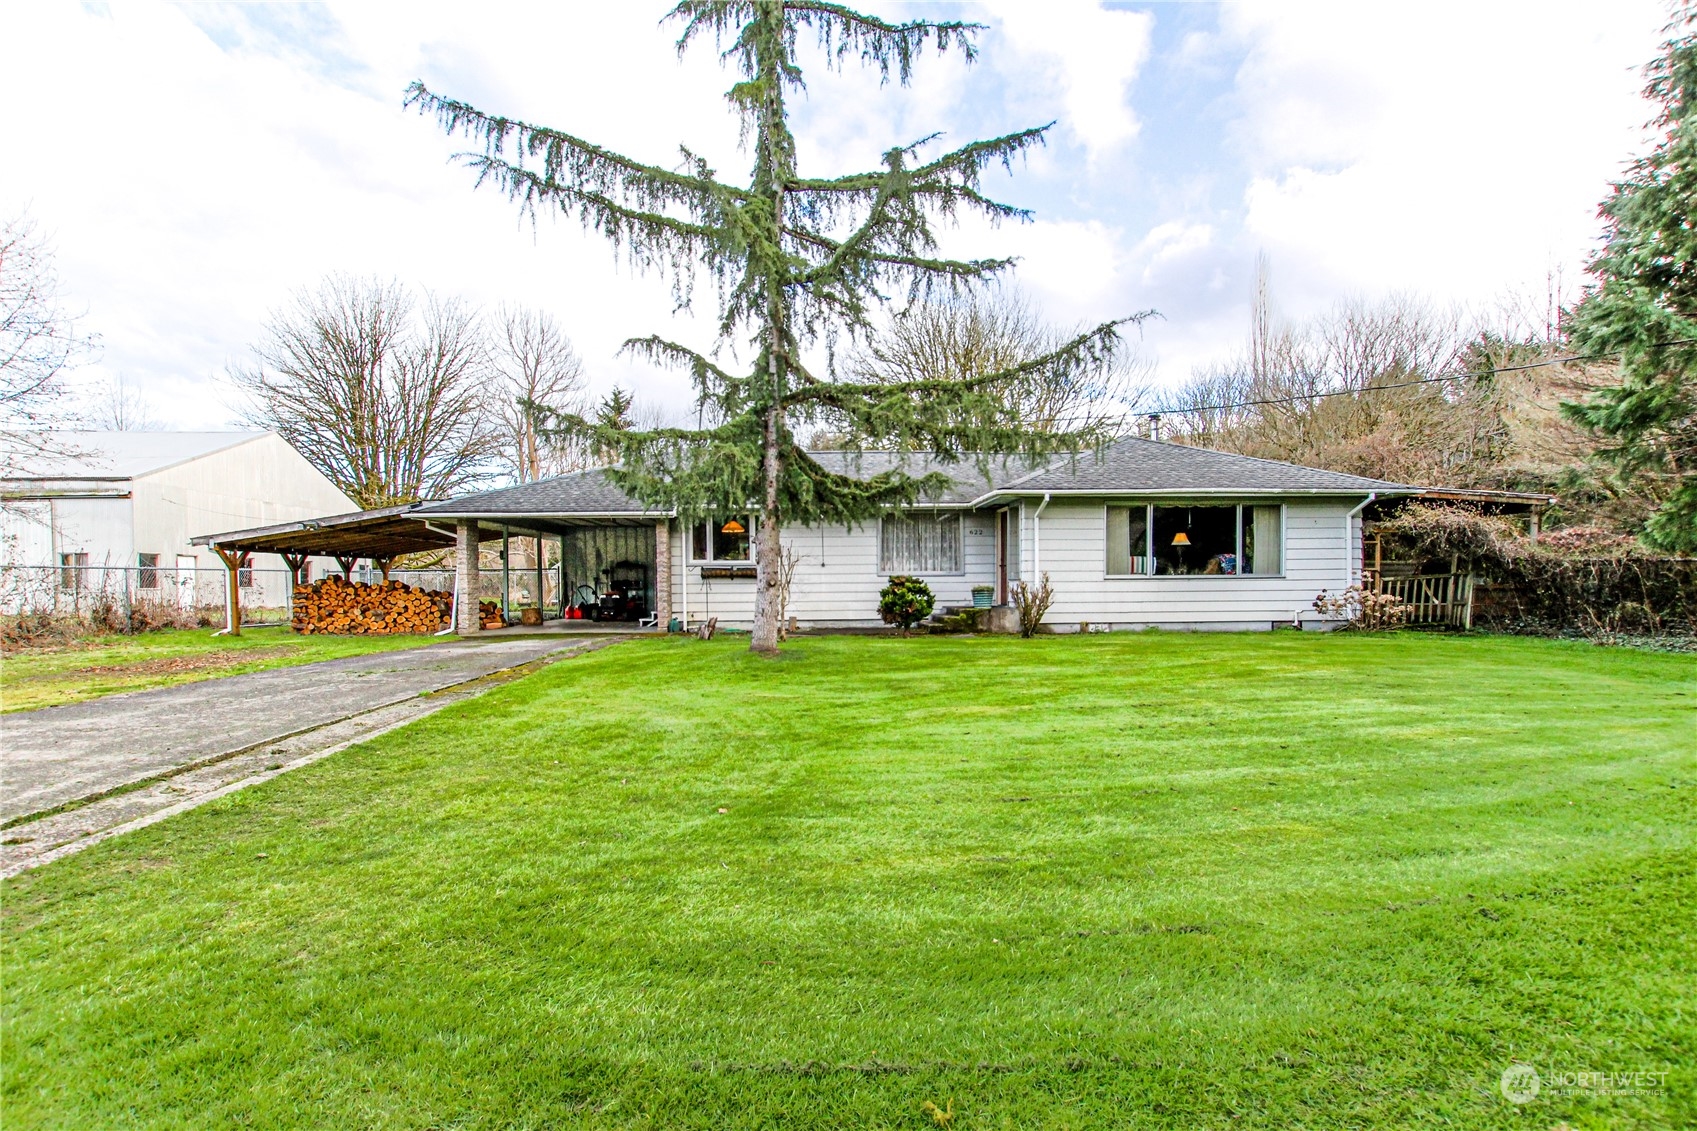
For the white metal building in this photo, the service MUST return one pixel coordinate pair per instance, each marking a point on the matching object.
(101, 501)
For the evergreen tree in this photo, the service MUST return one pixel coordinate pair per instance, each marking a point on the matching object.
(799, 262)
(1644, 304)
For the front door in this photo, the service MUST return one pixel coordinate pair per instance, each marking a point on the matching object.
(1001, 557)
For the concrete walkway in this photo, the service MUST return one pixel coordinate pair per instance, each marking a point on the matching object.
(59, 755)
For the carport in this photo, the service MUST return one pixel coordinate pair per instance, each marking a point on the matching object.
(629, 545)
(380, 536)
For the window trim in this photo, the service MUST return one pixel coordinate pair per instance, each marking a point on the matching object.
(938, 515)
(1149, 541)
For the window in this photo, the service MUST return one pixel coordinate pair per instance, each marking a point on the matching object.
(244, 576)
(726, 541)
(1128, 541)
(1263, 540)
(147, 571)
(1195, 541)
(922, 543)
(72, 567)
(1192, 540)
(1013, 516)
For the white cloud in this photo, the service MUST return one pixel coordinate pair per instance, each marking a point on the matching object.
(190, 188)
(1459, 152)
(1171, 242)
(197, 165)
(1088, 53)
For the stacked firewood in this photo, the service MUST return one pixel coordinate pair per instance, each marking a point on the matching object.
(343, 608)
(489, 612)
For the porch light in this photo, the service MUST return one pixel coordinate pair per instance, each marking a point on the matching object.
(732, 527)
(1181, 539)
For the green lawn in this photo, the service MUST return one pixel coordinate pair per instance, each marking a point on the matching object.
(110, 664)
(1137, 880)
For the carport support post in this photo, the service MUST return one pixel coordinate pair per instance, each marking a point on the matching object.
(506, 571)
(662, 576)
(294, 562)
(541, 593)
(232, 560)
(466, 580)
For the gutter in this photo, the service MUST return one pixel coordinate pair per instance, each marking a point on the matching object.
(1189, 492)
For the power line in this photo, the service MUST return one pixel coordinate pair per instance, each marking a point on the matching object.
(1491, 372)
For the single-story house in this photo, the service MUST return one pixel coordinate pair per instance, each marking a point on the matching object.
(1141, 534)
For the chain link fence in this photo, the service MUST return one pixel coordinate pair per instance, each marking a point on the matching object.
(157, 596)
(137, 598)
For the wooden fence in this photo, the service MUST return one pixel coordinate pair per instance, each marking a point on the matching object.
(1432, 598)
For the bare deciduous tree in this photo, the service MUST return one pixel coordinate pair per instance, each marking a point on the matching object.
(39, 341)
(381, 393)
(962, 337)
(115, 405)
(536, 367)
(1380, 389)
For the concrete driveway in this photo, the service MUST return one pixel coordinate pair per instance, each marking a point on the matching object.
(63, 754)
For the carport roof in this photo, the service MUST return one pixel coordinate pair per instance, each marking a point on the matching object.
(387, 532)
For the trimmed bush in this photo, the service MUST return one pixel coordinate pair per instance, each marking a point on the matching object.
(905, 601)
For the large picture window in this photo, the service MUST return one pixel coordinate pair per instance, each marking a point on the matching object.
(919, 543)
(721, 541)
(1195, 541)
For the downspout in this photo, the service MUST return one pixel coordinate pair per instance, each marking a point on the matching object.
(1037, 541)
(1349, 524)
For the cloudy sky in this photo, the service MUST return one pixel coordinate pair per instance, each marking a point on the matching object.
(195, 164)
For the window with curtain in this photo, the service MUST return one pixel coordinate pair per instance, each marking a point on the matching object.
(1128, 541)
(920, 543)
(1195, 541)
(1263, 539)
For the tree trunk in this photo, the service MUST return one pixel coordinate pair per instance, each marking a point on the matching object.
(768, 601)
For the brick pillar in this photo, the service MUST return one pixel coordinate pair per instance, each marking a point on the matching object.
(663, 573)
(466, 585)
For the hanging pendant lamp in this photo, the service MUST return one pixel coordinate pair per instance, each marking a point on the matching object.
(733, 527)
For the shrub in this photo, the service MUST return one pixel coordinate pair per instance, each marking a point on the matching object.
(905, 601)
(1032, 604)
(1363, 608)
(1582, 579)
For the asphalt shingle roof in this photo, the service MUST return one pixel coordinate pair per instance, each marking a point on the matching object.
(1128, 466)
(969, 482)
(577, 492)
(1134, 465)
